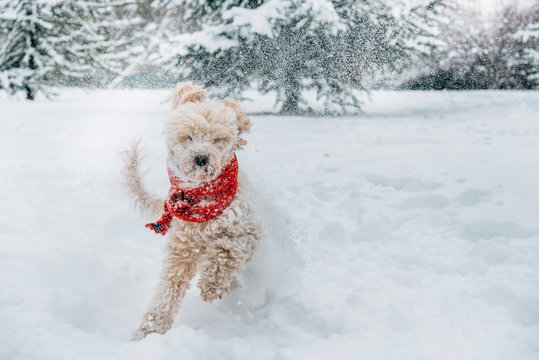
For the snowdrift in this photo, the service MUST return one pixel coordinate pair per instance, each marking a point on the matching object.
(410, 232)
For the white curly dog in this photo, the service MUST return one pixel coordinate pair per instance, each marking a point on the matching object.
(213, 231)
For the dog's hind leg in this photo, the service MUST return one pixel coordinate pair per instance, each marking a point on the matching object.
(179, 269)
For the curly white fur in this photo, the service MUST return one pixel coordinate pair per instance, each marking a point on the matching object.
(219, 248)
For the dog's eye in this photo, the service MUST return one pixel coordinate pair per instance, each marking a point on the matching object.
(189, 138)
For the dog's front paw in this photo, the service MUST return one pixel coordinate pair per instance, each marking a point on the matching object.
(210, 294)
(209, 291)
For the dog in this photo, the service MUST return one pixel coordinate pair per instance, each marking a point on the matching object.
(213, 234)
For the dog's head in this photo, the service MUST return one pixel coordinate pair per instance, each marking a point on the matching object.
(202, 135)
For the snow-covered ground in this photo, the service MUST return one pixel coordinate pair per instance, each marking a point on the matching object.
(410, 232)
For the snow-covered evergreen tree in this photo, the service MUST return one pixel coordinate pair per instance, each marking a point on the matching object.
(156, 20)
(481, 53)
(64, 42)
(121, 24)
(528, 35)
(292, 46)
(21, 55)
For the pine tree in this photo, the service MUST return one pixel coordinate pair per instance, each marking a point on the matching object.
(120, 25)
(22, 56)
(150, 22)
(306, 51)
(66, 42)
(528, 35)
(292, 47)
(480, 53)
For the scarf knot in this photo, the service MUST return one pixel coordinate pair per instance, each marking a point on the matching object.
(197, 204)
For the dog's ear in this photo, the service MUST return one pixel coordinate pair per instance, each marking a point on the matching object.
(184, 93)
(243, 121)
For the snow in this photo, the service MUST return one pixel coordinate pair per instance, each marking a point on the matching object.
(208, 38)
(409, 232)
(324, 11)
(259, 19)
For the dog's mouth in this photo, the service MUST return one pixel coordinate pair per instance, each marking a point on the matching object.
(202, 174)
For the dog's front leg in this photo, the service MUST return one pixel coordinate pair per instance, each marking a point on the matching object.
(179, 269)
(221, 263)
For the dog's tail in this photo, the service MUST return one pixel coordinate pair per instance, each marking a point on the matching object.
(144, 201)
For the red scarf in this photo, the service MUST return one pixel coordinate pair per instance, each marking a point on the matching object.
(198, 204)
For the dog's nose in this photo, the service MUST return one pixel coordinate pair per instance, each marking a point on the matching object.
(201, 160)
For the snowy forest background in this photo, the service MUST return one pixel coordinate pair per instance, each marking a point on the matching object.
(292, 48)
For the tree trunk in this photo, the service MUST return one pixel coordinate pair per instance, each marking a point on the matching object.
(29, 93)
(33, 66)
(291, 102)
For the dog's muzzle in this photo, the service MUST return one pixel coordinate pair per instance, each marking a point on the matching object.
(201, 160)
